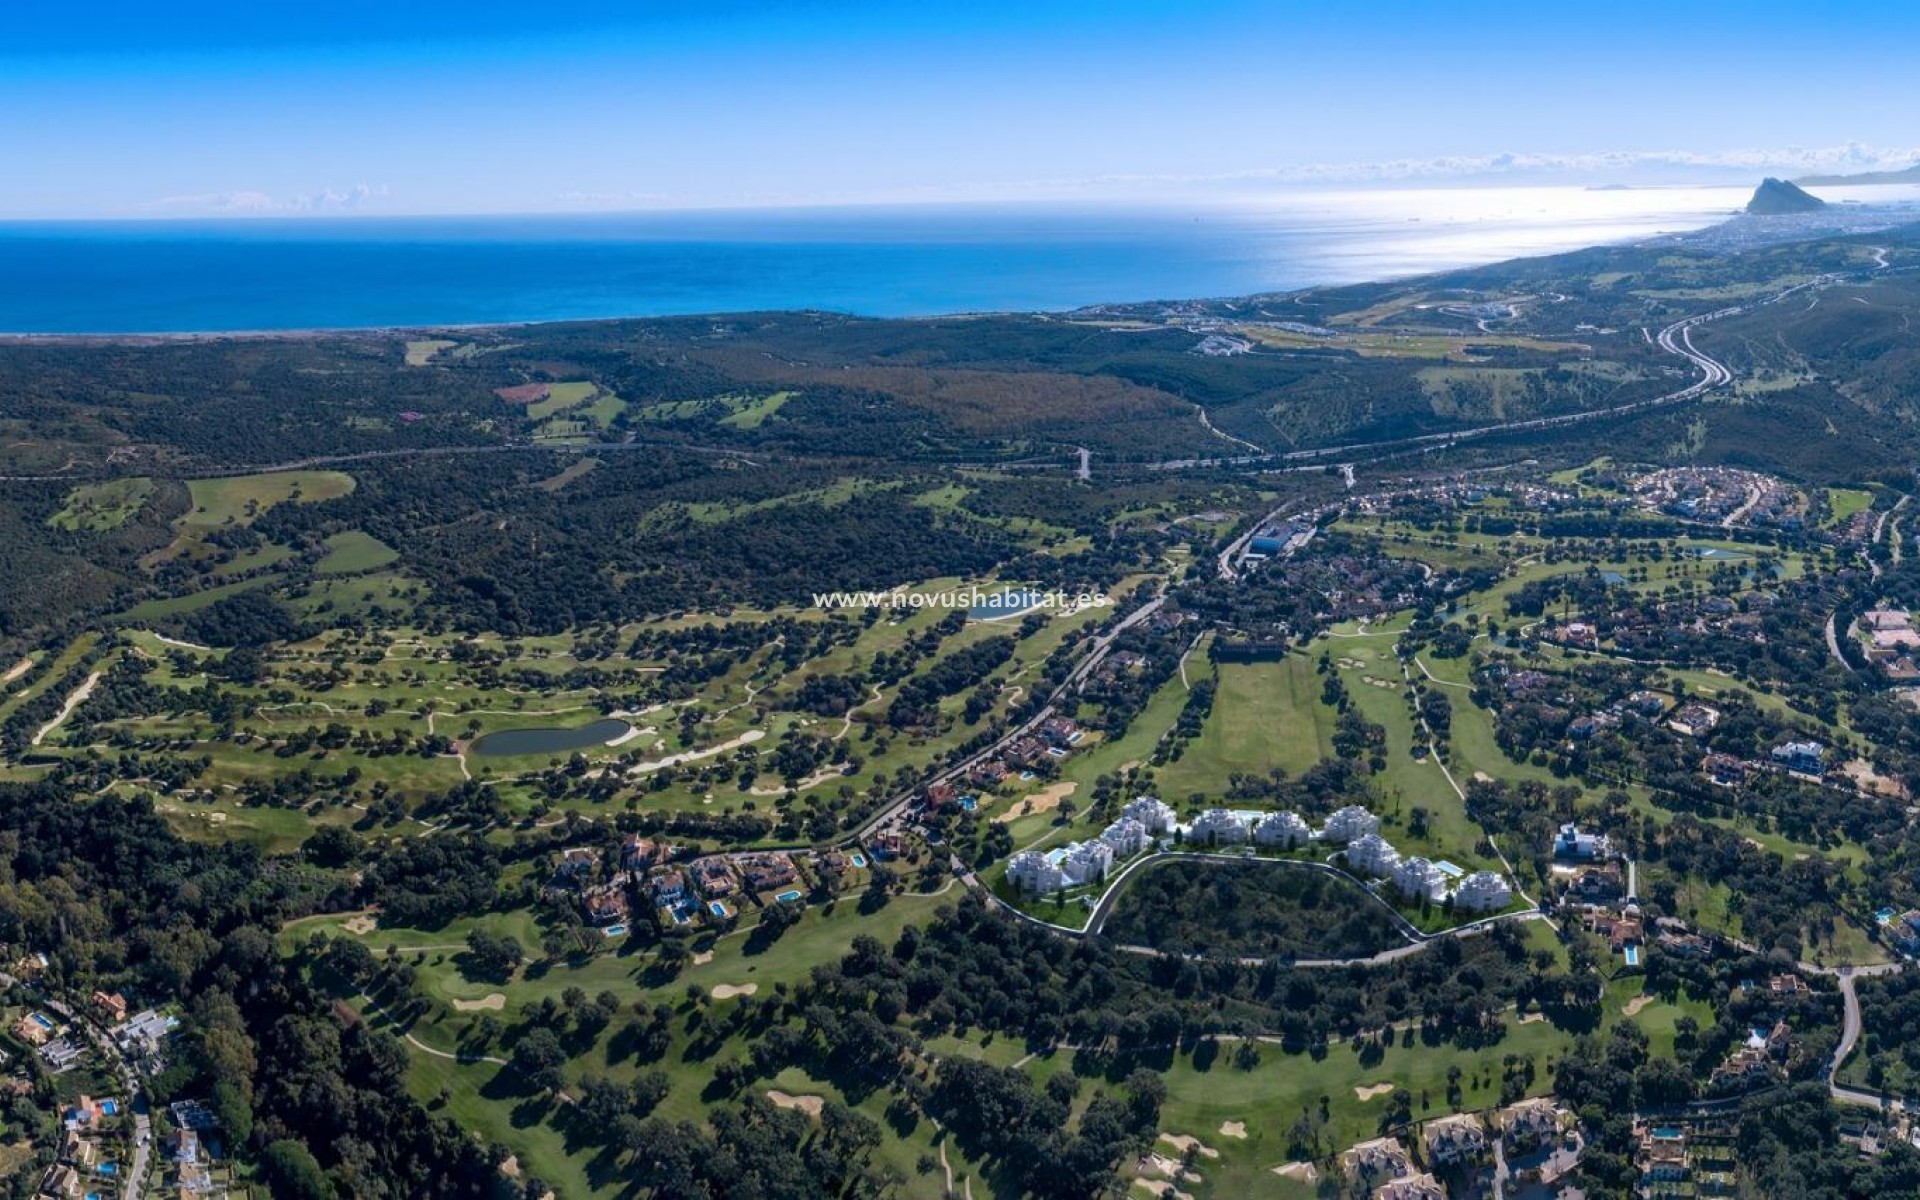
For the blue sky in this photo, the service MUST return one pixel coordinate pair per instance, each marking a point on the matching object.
(191, 109)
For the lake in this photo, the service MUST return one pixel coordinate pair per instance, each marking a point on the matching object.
(1013, 602)
(378, 272)
(507, 742)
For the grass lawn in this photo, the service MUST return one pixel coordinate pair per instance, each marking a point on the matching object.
(98, 507)
(239, 499)
(421, 351)
(560, 398)
(1204, 1095)
(1265, 715)
(1844, 502)
(753, 412)
(354, 551)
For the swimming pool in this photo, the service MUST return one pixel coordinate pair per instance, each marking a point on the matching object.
(108, 1169)
(1633, 956)
(787, 897)
(614, 930)
(43, 1021)
(716, 908)
(968, 803)
(857, 860)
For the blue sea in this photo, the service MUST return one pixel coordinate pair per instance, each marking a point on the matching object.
(378, 272)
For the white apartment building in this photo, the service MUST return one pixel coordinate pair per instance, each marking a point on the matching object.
(1482, 891)
(1349, 823)
(1030, 872)
(1372, 855)
(1154, 814)
(1218, 827)
(1126, 837)
(1284, 830)
(1418, 879)
(1086, 862)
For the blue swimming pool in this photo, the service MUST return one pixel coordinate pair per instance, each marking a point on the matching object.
(787, 897)
(716, 908)
(1633, 956)
(614, 930)
(969, 803)
(857, 860)
(110, 1107)
(42, 1020)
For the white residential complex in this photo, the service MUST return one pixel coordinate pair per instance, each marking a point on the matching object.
(1482, 891)
(1127, 837)
(1419, 879)
(1372, 855)
(1034, 873)
(1153, 813)
(1349, 823)
(1283, 829)
(1087, 862)
(1367, 854)
(1218, 827)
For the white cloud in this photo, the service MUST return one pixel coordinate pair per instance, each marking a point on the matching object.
(252, 203)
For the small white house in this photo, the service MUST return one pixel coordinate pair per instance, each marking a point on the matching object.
(1577, 846)
(1126, 837)
(1154, 814)
(1418, 879)
(1372, 855)
(1283, 830)
(1482, 891)
(1087, 862)
(1348, 824)
(1031, 872)
(1218, 827)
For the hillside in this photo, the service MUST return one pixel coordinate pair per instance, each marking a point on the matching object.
(1777, 197)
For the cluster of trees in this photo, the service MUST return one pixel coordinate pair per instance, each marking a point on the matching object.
(1256, 910)
(116, 900)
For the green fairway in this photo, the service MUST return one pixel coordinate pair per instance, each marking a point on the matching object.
(1844, 502)
(352, 552)
(1265, 715)
(99, 507)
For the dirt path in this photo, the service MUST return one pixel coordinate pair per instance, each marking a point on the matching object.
(17, 670)
(74, 701)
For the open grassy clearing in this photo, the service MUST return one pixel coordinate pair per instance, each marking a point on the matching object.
(99, 507)
(1843, 503)
(1265, 716)
(353, 552)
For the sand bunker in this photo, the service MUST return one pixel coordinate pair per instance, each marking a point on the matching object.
(1633, 1006)
(361, 925)
(1370, 1091)
(490, 1003)
(1163, 1188)
(728, 991)
(16, 670)
(704, 956)
(1234, 1129)
(809, 1105)
(1530, 1018)
(1046, 799)
(1186, 1142)
(1304, 1172)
